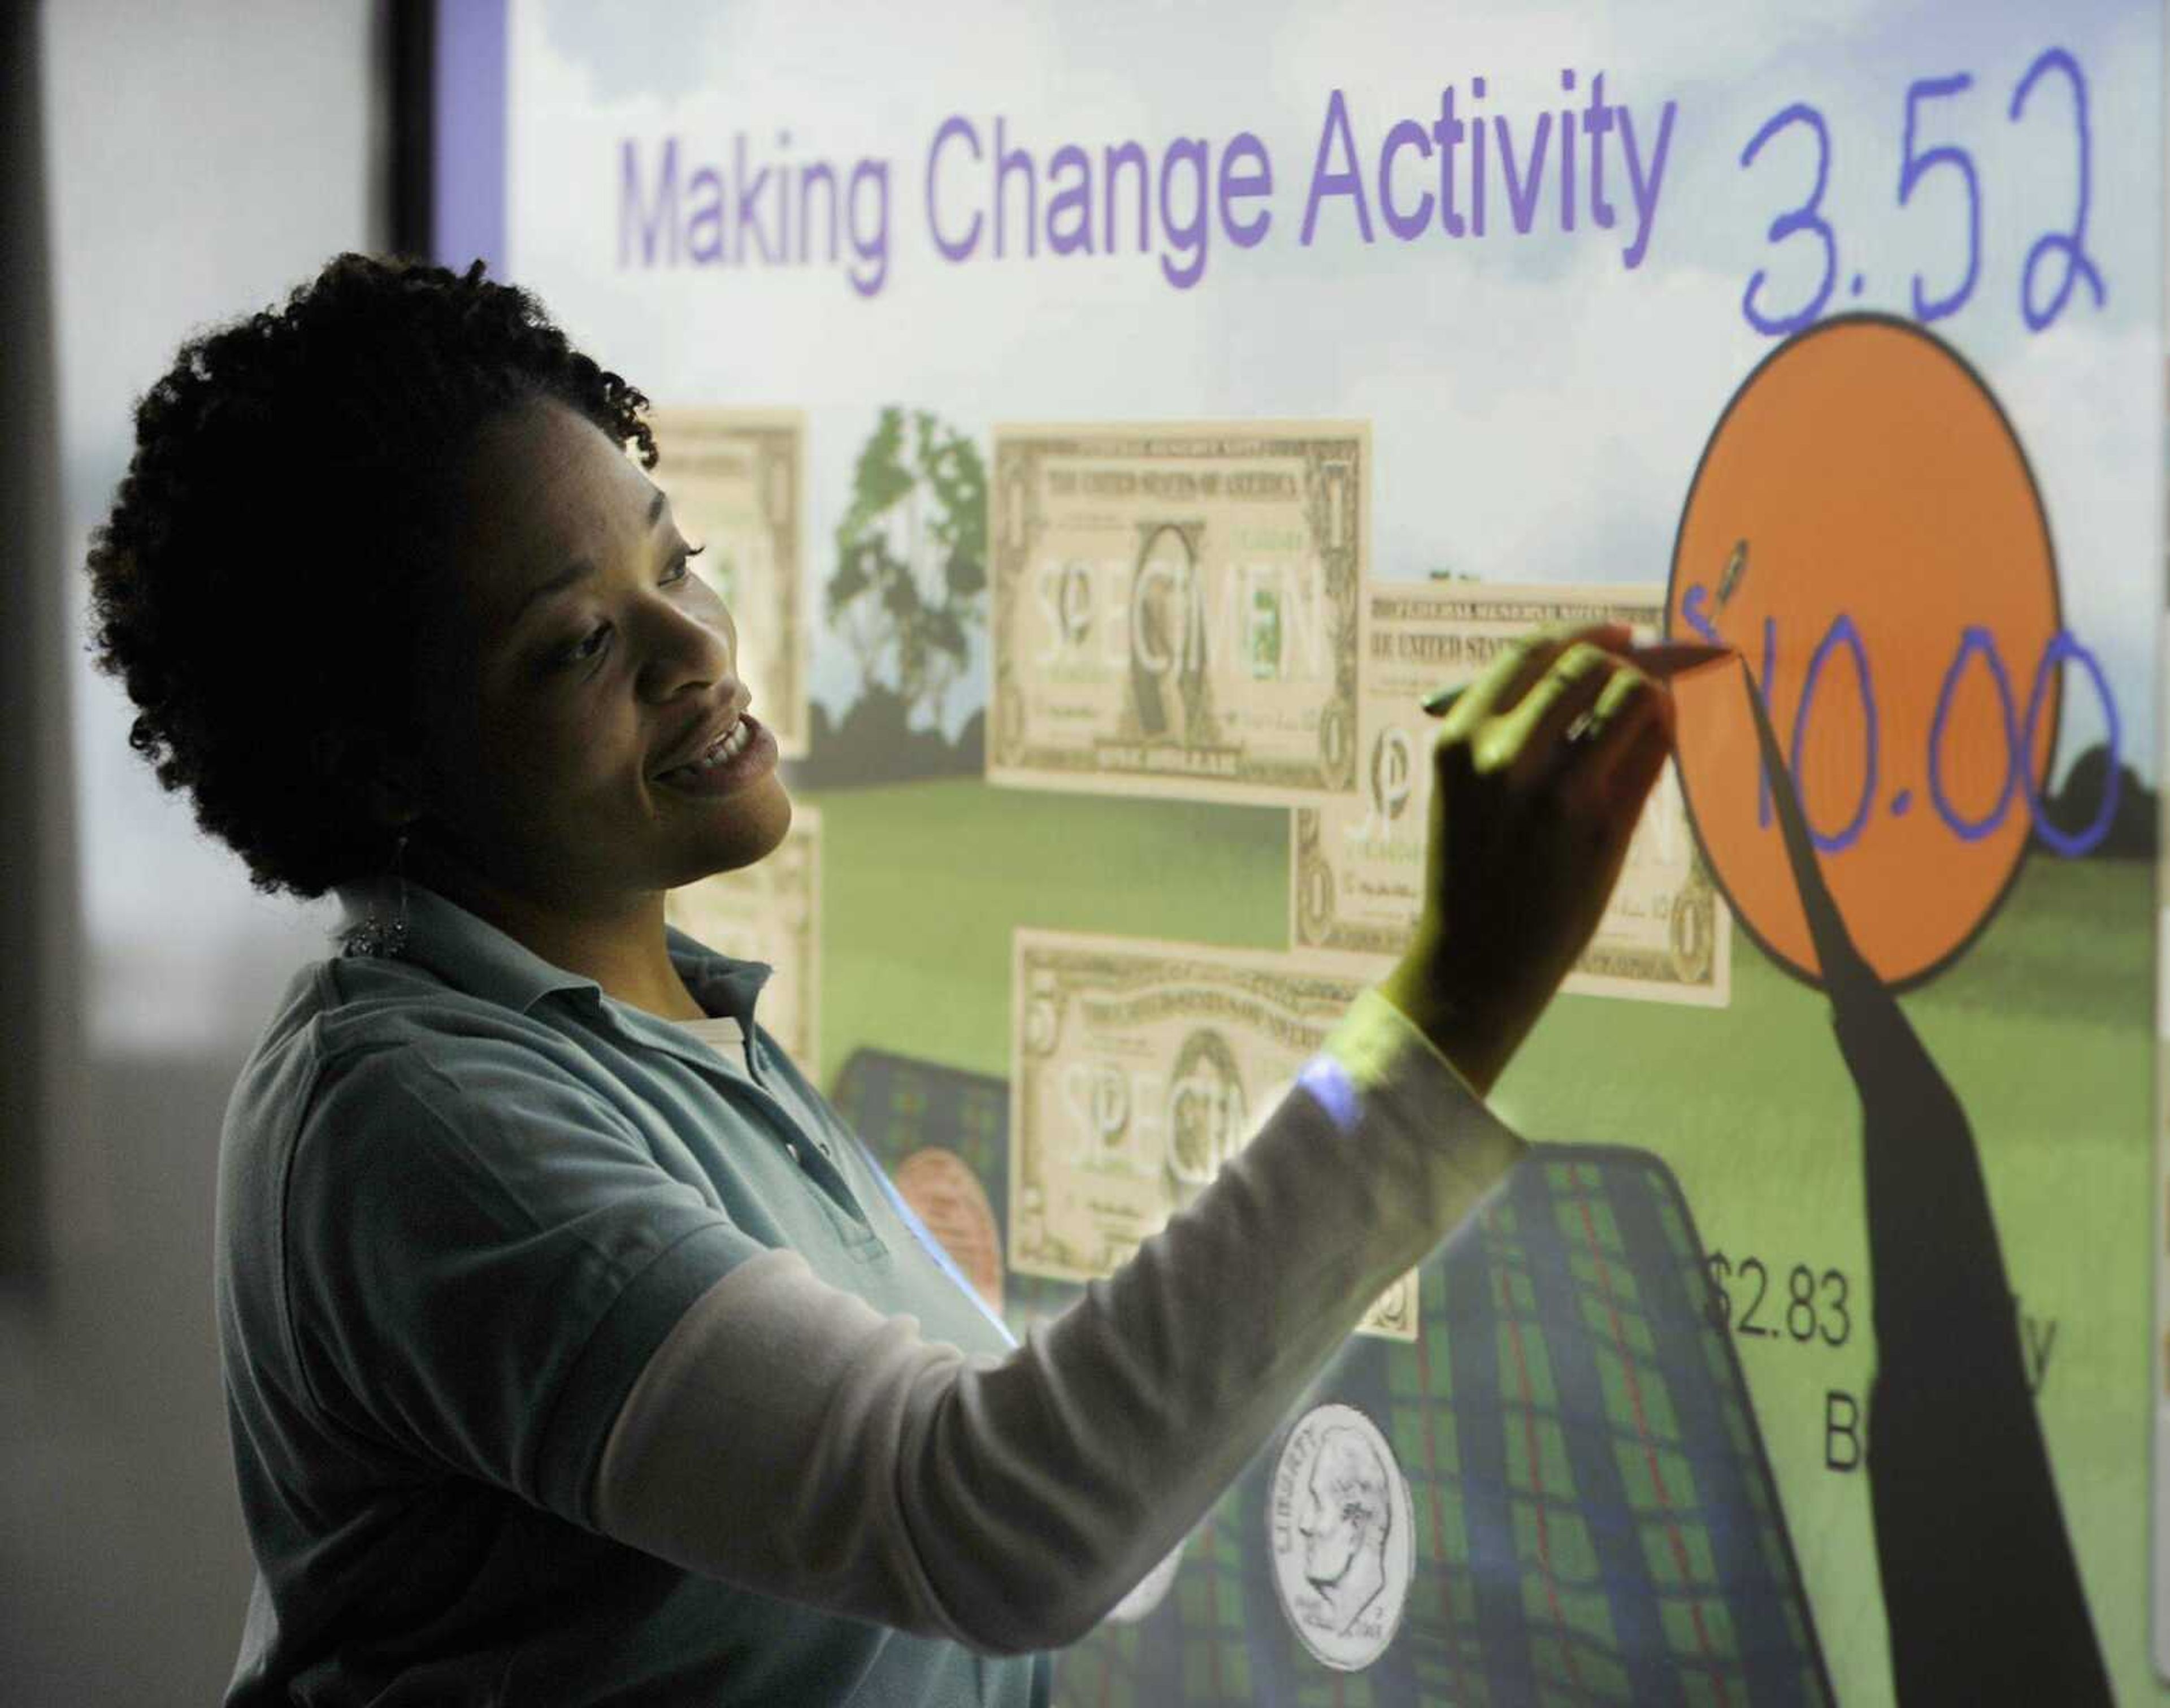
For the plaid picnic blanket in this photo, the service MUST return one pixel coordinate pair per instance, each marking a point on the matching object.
(1594, 1518)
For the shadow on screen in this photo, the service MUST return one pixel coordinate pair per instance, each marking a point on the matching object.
(1982, 1592)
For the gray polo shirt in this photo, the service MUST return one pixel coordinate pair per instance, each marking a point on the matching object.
(463, 1195)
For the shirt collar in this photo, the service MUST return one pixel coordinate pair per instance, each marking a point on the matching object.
(472, 955)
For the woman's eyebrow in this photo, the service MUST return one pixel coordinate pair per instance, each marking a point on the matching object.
(578, 570)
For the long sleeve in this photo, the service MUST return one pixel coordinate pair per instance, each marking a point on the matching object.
(787, 1437)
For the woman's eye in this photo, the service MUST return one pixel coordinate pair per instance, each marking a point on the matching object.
(680, 567)
(586, 646)
(591, 644)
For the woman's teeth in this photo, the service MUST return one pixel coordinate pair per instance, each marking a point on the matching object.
(726, 747)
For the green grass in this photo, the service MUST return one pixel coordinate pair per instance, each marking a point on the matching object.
(2044, 1030)
(923, 884)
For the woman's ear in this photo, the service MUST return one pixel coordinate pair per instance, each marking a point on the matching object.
(360, 759)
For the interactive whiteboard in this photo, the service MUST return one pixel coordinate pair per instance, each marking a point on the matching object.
(1114, 419)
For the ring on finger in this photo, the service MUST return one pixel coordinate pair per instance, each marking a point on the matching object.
(1589, 726)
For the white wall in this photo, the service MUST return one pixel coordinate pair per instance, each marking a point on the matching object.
(204, 159)
(201, 159)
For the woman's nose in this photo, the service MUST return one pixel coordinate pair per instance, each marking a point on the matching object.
(687, 646)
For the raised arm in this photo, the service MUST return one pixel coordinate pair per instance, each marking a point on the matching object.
(788, 1438)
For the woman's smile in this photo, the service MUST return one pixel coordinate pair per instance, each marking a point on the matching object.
(747, 752)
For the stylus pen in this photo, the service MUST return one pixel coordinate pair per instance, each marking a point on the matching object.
(1668, 658)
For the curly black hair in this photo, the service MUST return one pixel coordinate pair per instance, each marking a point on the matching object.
(274, 549)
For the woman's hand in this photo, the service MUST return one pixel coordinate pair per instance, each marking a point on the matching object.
(1540, 771)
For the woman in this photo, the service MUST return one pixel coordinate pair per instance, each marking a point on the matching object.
(574, 1352)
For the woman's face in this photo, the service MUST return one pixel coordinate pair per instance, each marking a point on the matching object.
(580, 657)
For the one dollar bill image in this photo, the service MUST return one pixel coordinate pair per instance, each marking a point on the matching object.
(1174, 608)
(1356, 867)
(735, 479)
(1138, 1069)
(770, 911)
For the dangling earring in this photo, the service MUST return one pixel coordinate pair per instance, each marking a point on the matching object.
(374, 937)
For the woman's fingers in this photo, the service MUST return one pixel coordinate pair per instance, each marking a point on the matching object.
(1526, 742)
(1629, 751)
(1629, 700)
(1511, 676)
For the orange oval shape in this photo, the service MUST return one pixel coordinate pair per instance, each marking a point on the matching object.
(1866, 512)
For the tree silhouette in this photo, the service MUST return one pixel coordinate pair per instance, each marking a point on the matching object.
(2091, 789)
(912, 551)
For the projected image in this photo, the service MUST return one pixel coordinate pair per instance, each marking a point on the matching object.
(1180, 399)
(1126, 1099)
(1557, 1485)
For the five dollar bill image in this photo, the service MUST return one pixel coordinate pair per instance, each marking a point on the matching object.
(1356, 866)
(1174, 608)
(735, 479)
(769, 910)
(1138, 1069)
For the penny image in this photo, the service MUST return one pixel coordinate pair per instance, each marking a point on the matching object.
(947, 1195)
